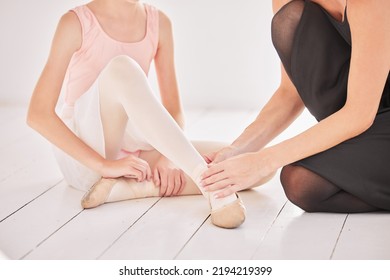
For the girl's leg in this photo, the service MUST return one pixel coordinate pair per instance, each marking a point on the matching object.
(124, 90)
(314, 193)
(125, 189)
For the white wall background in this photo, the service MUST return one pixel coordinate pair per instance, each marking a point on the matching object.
(224, 54)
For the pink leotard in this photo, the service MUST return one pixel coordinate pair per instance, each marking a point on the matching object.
(98, 48)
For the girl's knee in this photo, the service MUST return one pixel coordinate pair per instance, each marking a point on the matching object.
(123, 66)
(122, 76)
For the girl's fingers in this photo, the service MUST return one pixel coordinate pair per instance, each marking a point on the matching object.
(134, 173)
(142, 166)
(163, 183)
(183, 182)
(156, 178)
(177, 182)
(170, 184)
(208, 158)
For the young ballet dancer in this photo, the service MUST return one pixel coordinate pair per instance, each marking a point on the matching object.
(113, 137)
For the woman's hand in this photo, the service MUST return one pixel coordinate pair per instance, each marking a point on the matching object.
(130, 167)
(170, 179)
(237, 173)
(221, 155)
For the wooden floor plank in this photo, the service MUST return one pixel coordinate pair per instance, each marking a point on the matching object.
(93, 231)
(365, 237)
(39, 221)
(263, 206)
(299, 235)
(22, 153)
(26, 184)
(163, 231)
(27, 228)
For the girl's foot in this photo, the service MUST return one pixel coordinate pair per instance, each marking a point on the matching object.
(231, 215)
(98, 193)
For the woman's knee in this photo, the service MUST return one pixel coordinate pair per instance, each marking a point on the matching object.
(297, 189)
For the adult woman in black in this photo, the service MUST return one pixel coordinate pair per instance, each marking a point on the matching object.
(336, 62)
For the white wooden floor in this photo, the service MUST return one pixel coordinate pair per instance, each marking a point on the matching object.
(41, 217)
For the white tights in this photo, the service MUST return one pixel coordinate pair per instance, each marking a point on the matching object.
(127, 98)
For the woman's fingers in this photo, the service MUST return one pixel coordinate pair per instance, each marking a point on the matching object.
(212, 171)
(216, 177)
(231, 189)
(218, 185)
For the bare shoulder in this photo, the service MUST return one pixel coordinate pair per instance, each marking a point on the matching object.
(69, 31)
(70, 20)
(367, 15)
(370, 26)
(165, 30)
(360, 11)
(164, 21)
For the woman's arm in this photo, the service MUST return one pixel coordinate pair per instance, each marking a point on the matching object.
(280, 111)
(165, 69)
(369, 69)
(42, 116)
(370, 64)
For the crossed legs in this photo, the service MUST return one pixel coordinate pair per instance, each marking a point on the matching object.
(314, 193)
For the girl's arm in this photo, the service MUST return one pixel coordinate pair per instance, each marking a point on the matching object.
(42, 116)
(369, 69)
(165, 69)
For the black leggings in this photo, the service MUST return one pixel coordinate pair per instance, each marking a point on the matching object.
(314, 193)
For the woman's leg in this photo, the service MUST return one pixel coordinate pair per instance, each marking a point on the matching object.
(314, 193)
(124, 90)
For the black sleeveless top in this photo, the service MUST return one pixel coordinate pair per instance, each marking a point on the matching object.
(315, 50)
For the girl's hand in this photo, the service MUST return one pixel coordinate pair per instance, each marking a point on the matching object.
(129, 167)
(170, 179)
(236, 174)
(221, 155)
